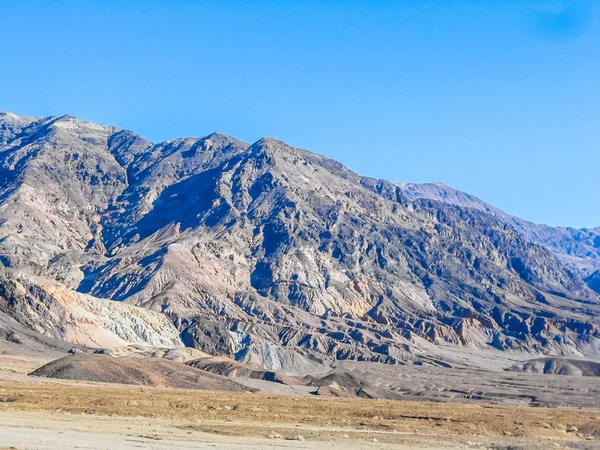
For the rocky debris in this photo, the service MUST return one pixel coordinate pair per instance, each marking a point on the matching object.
(264, 253)
(137, 371)
(558, 366)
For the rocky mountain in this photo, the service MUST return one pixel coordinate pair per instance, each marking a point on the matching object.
(577, 248)
(266, 253)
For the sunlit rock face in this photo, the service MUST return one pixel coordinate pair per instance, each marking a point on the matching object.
(269, 254)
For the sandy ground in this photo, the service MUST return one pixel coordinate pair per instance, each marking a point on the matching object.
(47, 414)
(44, 431)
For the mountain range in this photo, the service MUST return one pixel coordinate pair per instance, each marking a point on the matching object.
(274, 255)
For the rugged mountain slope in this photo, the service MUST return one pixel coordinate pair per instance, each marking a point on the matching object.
(55, 177)
(271, 254)
(577, 248)
(53, 310)
(17, 339)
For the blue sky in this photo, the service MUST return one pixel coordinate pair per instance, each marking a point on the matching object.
(498, 98)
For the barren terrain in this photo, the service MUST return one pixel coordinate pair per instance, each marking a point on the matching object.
(207, 292)
(273, 256)
(38, 413)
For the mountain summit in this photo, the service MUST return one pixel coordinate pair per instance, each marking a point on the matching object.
(273, 255)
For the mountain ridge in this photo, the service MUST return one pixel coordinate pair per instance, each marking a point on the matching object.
(273, 255)
(579, 248)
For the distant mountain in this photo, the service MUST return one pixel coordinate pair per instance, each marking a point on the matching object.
(268, 254)
(576, 248)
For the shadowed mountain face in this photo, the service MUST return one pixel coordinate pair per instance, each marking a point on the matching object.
(271, 254)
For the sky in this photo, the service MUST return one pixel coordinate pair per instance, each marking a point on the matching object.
(498, 98)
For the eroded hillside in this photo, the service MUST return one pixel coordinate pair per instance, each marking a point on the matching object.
(264, 252)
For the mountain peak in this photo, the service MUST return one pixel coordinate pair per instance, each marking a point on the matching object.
(11, 118)
(271, 146)
(270, 142)
(219, 135)
(11, 125)
(7, 115)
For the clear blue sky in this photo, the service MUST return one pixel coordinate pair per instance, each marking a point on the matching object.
(498, 98)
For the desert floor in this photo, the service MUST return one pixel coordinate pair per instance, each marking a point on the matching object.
(47, 414)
